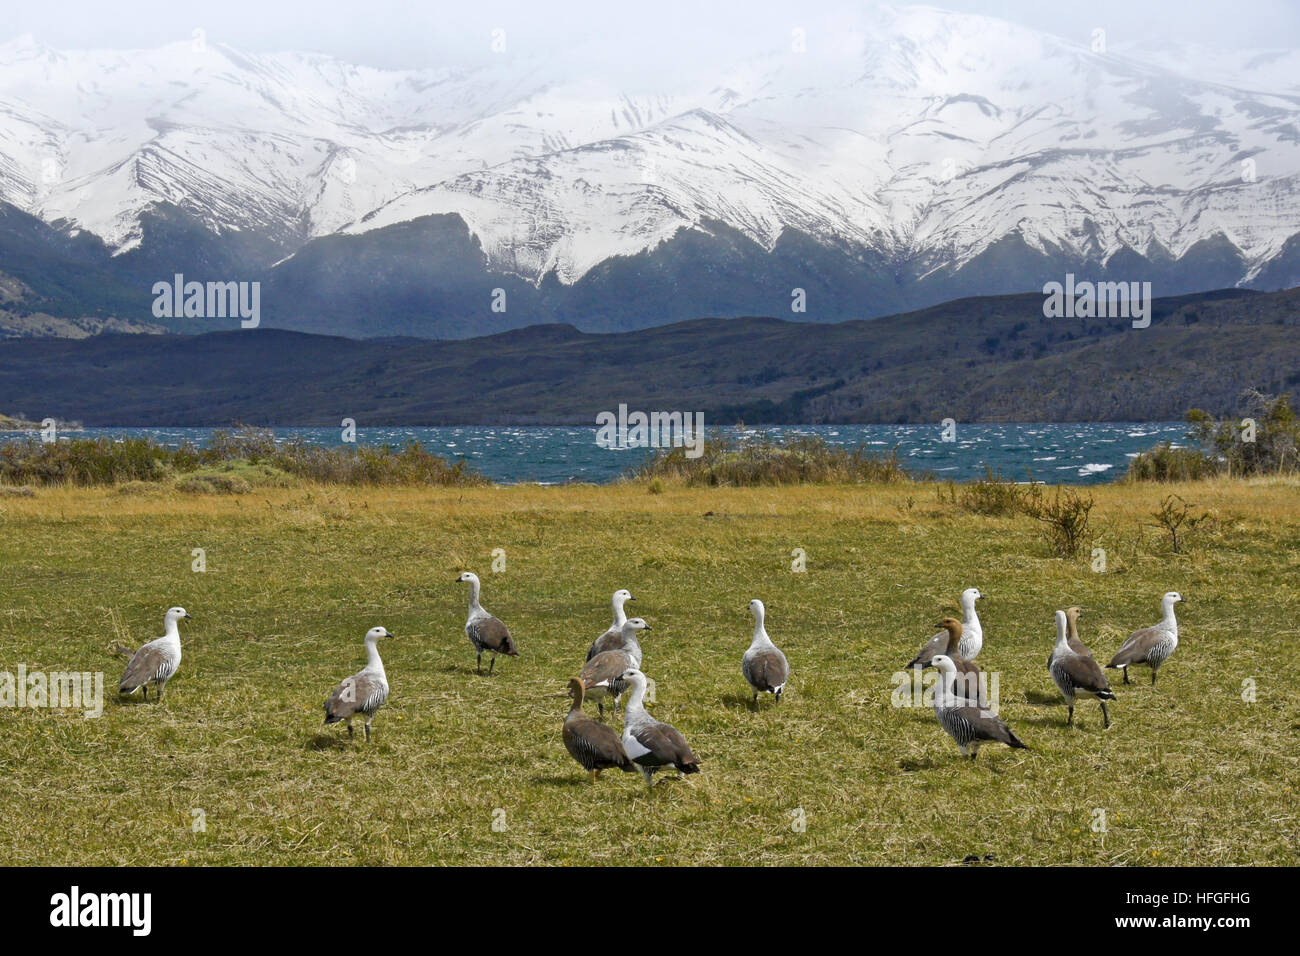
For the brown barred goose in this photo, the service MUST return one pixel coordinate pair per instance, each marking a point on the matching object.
(971, 639)
(595, 746)
(156, 662)
(967, 672)
(1077, 674)
(764, 666)
(365, 691)
(652, 744)
(485, 632)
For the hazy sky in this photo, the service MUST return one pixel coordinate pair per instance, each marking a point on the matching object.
(401, 33)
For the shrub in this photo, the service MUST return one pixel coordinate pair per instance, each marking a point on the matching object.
(214, 485)
(1275, 432)
(763, 460)
(992, 495)
(1167, 463)
(251, 455)
(1264, 441)
(1066, 517)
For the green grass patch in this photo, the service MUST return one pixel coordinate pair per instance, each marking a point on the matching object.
(1189, 773)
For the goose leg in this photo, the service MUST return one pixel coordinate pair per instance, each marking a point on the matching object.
(1126, 680)
(1104, 715)
(595, 774)
(479, 668)
(1069, 720)
(600, 706)
(351, 733)
(1153, 677)
(367, 731)
(492, 664)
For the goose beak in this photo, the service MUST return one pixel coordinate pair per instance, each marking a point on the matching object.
(188, 618)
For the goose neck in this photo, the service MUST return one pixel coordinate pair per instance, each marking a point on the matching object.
(373, 661)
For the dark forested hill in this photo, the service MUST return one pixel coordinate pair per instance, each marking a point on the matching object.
(984, 359)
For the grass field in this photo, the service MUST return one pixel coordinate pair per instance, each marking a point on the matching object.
(1188, 774)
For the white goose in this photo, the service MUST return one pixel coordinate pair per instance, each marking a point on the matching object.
(485, 632)
(156, 662)
(972, 632)
(652, 744)
(1151, 645)
(1077, 674)
(612, 639)
(764, 666)
(603, 674)
(365, 691)
(967, 722)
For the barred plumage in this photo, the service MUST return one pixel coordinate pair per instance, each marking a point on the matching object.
(968, 723)
(1151, 646)
(1075, 673)
(485, 632)
(365, 691)
(595, 746)
(157, 661)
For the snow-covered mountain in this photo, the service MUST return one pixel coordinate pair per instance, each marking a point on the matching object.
(918, 143)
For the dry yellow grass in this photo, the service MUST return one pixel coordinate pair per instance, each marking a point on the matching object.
(1189, 773)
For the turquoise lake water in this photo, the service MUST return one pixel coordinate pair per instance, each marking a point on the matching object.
(1076, 453)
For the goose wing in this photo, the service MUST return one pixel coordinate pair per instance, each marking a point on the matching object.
(360, 693)
(935, 645)
(611, 640)
(1083, 673)
(145, 665)
(662, 744)
(602, 669)
(766, 670)
(490, 634)
(594, 745)
(983, 724)
(1138, 646)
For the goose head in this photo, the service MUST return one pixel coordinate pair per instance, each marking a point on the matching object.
(378, 633)
(468, 577)
(622, 596)
(952, 626)
(944, 663)
(757, 609)
(634, 677)
(634, 624)
(175, 614)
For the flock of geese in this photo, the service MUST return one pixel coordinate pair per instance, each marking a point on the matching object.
(613, 670)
